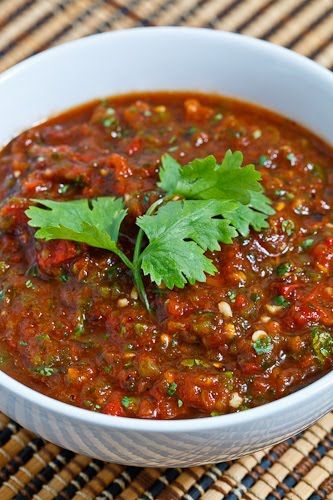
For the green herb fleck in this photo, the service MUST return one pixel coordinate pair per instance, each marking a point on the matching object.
(3, 357)
(307, 243)
(64, 277)
(218, 117)
(279, 300)
(172, 389)
(291, 158)
(42, 337)
(288, 226)
(29, 284)
(23, 343)
(255, 297)
(283, 269)
(193, 362)
(263, 345)
(45, 371)
(63, 188)
(322, 343)
(90, 404)
(230, 380)
(262, 160)
(128, 401)
(285, 195)
(231, 295)
(107, 369)
(318, 171)
(180, 403)
(79, 329)
(108, 122)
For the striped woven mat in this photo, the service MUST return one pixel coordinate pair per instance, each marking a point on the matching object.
(298, 469)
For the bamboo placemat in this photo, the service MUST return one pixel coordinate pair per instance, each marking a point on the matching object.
(28, 26)
(298, 469)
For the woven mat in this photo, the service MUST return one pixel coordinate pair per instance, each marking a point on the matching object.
(299, 469)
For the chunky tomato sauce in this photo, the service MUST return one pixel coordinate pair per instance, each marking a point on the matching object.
(71, 323)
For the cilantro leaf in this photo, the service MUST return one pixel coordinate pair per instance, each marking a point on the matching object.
(94, 222)
(242, 217)
(178, 235)
(169, 174)
(261, 203)
(205, 179)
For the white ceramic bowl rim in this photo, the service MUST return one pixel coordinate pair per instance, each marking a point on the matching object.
(186, 425)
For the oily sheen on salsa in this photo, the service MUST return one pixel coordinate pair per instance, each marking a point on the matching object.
(71, 323)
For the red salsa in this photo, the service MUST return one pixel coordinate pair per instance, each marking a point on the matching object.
(71, 324)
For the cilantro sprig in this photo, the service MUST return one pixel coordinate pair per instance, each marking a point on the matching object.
(202, 205)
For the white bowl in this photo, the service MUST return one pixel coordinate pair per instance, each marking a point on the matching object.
(158, 59)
